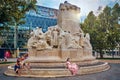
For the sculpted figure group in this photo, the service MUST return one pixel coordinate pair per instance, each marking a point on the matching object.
(55, 37)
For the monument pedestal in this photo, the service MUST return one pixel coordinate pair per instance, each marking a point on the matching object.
(58, 71)
(58, 57)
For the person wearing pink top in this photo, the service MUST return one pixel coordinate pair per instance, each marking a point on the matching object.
(73, 67)
(6, 55)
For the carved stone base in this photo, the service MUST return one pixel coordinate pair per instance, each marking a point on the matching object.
(58, 57)
(58, 71)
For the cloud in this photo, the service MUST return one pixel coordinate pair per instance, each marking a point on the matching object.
(85, 5)
(49, 3)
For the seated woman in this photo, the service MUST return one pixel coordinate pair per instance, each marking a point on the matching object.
(73, 67)
(23, 64)
(17, 67)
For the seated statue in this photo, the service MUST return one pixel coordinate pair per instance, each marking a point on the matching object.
(32, 40)
(42, 45)
(48, 37)
(87, 41)
(68, 41)
(87, 47)
(37, 32)
(38, 40)
(81, 41)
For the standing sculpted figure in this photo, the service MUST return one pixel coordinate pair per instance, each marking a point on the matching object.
(55, 37)
(62, 40)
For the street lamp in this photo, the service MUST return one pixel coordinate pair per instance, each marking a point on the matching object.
(15, 35)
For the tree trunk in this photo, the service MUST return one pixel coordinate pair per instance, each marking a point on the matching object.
(118, 53)
(113, 53)
(101, 54)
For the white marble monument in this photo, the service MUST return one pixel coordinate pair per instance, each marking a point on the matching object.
(48, 51)
(66, 39)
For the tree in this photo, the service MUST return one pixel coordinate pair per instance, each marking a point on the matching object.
(12, 11)
(104, 23)
(89, 22)
(93, 26)
(115, 27)
(104, 29)
(88, 26)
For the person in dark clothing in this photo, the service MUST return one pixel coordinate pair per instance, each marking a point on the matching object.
(17, 67)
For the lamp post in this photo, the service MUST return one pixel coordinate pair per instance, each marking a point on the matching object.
(15, 35)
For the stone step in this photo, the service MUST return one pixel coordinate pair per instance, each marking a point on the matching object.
(57, 72)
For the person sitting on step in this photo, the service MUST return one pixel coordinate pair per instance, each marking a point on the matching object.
(73, 67)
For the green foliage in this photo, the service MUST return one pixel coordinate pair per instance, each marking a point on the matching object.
(1, 42)
(104, 29)
(12, 11)
(108, 58)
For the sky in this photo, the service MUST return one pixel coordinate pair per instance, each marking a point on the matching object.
(85, 5)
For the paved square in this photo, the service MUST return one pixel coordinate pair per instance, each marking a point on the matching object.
(112, 74)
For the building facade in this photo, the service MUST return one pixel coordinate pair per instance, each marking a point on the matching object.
(43, 17)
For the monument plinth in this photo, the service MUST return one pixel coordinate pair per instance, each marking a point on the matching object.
(65, 40)
(48, 51)
(69, 18)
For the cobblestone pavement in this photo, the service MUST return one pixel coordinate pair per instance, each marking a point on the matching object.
(112, 74)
